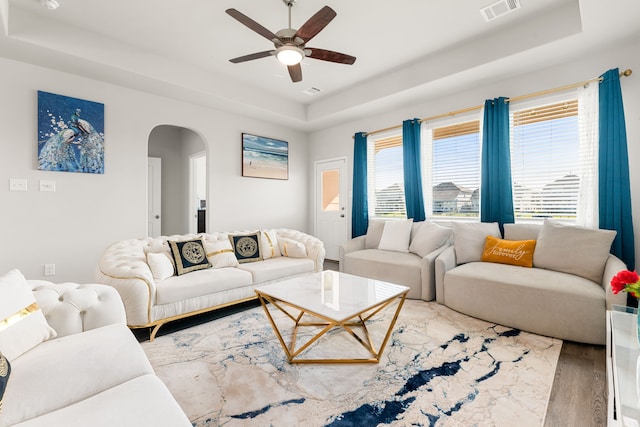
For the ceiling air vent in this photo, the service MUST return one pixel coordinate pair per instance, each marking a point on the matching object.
(499, 8)
(311, 91)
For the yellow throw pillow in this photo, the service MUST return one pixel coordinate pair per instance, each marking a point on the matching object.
(514, 252)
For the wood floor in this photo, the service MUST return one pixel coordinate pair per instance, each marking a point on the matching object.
(579, 393)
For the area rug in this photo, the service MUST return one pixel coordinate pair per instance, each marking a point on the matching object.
(440, 368)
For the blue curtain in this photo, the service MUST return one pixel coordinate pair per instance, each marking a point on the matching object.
(360, 203)
(414, 200)
(496, 197)
(614, 190)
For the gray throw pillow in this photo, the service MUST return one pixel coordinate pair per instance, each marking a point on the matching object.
(374, 234)
(469, 239)
(575, 250)
(429, 237)
(522, 231)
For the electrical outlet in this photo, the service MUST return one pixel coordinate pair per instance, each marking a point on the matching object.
(49, 269)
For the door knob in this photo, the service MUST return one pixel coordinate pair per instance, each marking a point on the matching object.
(341, 215)
(157, 216)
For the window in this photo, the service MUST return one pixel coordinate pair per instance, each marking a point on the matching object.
(546, 167)
(453, 162)
(386, 177)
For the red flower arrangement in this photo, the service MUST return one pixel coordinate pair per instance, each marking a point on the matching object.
(627, 281)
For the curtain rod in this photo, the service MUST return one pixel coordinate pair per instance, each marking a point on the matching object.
(625, 73)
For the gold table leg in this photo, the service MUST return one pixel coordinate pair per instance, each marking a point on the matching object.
(356, 321)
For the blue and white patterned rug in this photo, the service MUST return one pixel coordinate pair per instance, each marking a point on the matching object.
(440, 368)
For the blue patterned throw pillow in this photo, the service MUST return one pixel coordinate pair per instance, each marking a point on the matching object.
(5, 371)
(189, 256)
(246, 247)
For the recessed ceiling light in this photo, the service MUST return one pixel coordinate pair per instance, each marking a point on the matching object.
(50, 4)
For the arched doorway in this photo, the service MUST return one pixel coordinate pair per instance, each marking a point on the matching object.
(180, 187)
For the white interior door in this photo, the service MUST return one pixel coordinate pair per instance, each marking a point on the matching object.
(154, 196)
(330, 204)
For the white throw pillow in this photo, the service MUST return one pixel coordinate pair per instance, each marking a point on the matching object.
(161, 265)
(221, 254)
(291, 248)
(430, 236)
(574, 250)
(22, 323)
(269, 244)
(374, 233)
(396, 236)
(469, 239)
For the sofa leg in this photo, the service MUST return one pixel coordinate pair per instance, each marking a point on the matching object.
(154, 331)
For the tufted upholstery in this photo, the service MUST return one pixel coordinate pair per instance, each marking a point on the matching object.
(71, 308)
(93, 373)
(123, 265)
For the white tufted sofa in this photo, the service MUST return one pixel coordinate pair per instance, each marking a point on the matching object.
(94, 373)
(151, 303)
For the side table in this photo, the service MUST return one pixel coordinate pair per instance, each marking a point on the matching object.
(623, 367)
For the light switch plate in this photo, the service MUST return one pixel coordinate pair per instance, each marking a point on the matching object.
(17, 184)
(47, 185)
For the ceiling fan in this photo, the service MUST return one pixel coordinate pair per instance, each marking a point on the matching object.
(290, 44)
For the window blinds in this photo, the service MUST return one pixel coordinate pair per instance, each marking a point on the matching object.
(386, 178)
(546, 165)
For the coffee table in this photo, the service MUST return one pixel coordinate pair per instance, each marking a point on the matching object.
(332, 300)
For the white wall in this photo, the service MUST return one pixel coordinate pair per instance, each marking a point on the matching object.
(72, 226)
(337, 141)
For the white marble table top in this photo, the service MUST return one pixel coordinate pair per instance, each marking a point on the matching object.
(334, 295)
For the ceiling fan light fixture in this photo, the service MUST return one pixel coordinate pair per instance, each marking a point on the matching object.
(289, 55)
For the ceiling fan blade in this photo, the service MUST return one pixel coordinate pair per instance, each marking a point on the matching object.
(295, 71)
(316, 23)
(331, 56)
(250, 23)
(252, 56)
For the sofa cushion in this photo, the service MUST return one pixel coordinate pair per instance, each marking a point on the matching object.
(389, 266)
(142, 401)
(292, 248)
(198, 283)
(269, 244)
(189, 256)
(514, 252)
(161, 265)
(278, 268)
(221, 254)
(374, 233)
(64, 371)
(246, 247)
(22, 324)
(469, 239)
(522, 231)
(396, 235)
(429, 237)
(572, 249)
(531, 299)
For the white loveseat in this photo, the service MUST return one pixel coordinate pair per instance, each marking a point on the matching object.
(564, 295)
(152, 301)
(409, 262)
(93, 373)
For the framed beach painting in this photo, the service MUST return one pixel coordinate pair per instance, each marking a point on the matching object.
(70, 134)
(264, 157)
